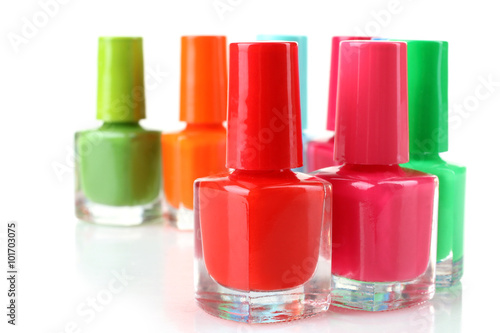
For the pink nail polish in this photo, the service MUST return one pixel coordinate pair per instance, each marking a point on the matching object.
(383, 215)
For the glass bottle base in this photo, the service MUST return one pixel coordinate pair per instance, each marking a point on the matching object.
(250, 307)
(181, 218)
(381, 296)
(262, 307)
(449, 272)
(92, 212)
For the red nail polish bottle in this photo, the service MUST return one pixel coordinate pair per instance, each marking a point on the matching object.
(383, 215)
(262, 247)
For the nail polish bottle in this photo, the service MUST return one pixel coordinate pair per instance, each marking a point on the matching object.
(199, 150)
(302, 42)
(262, 231)
(118, 173)
(383, 215)
(320, 152)
(428, 123)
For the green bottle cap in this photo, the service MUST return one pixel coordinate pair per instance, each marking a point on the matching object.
(120, 82)
(427, 96)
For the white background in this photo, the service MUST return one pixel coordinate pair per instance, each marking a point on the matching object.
(48, 91)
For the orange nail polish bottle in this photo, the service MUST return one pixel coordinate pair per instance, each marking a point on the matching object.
(200, 149)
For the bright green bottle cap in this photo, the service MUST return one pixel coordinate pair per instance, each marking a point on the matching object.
(427, 95)
(120, 82)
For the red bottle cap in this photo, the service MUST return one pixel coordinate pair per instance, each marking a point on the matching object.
(372, 103)
(203, 79)
(334, 69)
(264, 130)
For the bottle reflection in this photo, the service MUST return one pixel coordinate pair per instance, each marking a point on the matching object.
(205, 323)
(137, 252)
(177, 288)
(447, 305)
(157, 261)
(442, 314)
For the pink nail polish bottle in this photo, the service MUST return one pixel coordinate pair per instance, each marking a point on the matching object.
(383, 215)
(320, 152)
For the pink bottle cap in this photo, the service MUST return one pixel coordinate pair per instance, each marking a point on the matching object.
(372, 103)
(334, 69)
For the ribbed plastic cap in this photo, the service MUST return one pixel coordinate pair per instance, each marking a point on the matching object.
(203, 79)
(264, 130)
(120, 80)
(302, 41)
(428, 95)
(334, 68)
(372, 113)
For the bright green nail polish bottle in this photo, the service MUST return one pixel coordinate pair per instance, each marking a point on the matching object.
(428, 123)
(118, 173)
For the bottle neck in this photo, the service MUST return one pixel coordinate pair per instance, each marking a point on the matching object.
(263, 172)
(120, 125)
(375, 167)
(372, 169)
(415, 157)
(204, 126)
(282, 173)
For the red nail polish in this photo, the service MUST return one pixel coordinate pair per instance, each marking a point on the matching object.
(320, 152)
(383, 215)
(263, 248)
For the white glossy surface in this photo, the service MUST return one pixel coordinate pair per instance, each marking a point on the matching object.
(159, 290)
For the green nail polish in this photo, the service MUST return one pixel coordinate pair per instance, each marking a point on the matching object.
(428, 123)
(118, 172)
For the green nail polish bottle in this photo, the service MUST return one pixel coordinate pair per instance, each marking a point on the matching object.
(118, 172)
(428, 123)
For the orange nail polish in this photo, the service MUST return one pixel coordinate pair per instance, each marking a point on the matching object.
(200, 149)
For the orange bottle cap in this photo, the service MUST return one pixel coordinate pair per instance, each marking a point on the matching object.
(203, 79)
